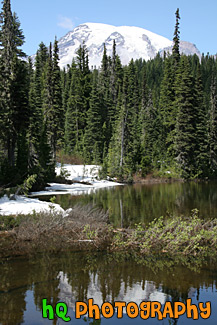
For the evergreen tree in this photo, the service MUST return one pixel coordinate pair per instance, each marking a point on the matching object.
(185, 124)
(113, 77)
(52, 101)
(72, 115)
(201, 146)
(149, 135)
(124, 147)
(57, 98)
(176, 38)
(78, 103)
(66, 75)
(40, 65)
(14, 111)
(93, 134)
(168, 109)
(48, 109)
(105, 94)
(36, 120)
(11, 39)
(212, 133)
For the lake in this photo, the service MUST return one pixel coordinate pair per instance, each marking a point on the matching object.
(131, 204)
(74, 276)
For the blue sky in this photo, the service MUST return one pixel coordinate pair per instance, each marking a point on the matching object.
(42, 20)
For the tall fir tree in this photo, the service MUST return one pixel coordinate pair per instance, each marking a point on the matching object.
(52, 101)
(200, 125)
(14, 112)
(149, 138)
(78, 103)
(57, 98)
(176, 40)
(212, 131)
(168, 109)
(93, 140)
(185, 135)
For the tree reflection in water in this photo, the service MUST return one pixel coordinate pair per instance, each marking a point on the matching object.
(72, 277)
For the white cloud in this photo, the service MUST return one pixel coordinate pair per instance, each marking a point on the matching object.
(65, 22)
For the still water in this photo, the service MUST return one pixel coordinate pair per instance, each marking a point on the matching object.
(75, 276)
(132, 204)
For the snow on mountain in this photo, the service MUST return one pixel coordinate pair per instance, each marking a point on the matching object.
(132, 42)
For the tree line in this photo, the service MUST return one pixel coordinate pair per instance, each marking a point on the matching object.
(157, 115)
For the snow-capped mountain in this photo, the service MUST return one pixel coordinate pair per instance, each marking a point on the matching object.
(131, 42)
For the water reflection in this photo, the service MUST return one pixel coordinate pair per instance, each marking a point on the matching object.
(142, 203)
(72, 277)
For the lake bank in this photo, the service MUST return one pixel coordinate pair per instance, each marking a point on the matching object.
(87, 228)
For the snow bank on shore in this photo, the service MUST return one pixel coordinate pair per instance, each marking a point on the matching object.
(80, 174)
(77, 173)
(25, 205)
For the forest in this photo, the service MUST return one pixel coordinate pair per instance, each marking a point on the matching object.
(150, 117)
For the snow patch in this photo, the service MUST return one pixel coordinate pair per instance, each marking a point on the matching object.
(25, 205)
(78, 173)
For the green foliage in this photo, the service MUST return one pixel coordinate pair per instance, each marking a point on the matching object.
(90, 234)
(185, 133)
(27, 184)
(176, 237)
(10, 222)
(53, 199)
(63, 172)
(176, 38)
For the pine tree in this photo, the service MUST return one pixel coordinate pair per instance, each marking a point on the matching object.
(52, 101)
(212, 133)
(149, 135)
(93, 134)
(185, 128)
(116, 145)
(57, 98)
(11, 39)
(113, 76)
(14, 112)
(36, 121)
(105, 94)
(78, 102)
(40, 65)
(201, 145)
(176, 38)
(167, 106)
(48, 109)
(77, 106)
(124, 146)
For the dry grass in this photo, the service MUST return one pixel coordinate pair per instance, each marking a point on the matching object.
(69, 159)
(84, 228)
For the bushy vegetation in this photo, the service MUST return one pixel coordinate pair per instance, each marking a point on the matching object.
(87, 228)
(176, 236)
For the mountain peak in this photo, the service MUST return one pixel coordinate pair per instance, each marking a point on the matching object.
(132, 42)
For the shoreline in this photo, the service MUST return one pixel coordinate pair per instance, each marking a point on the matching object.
(177, 238)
